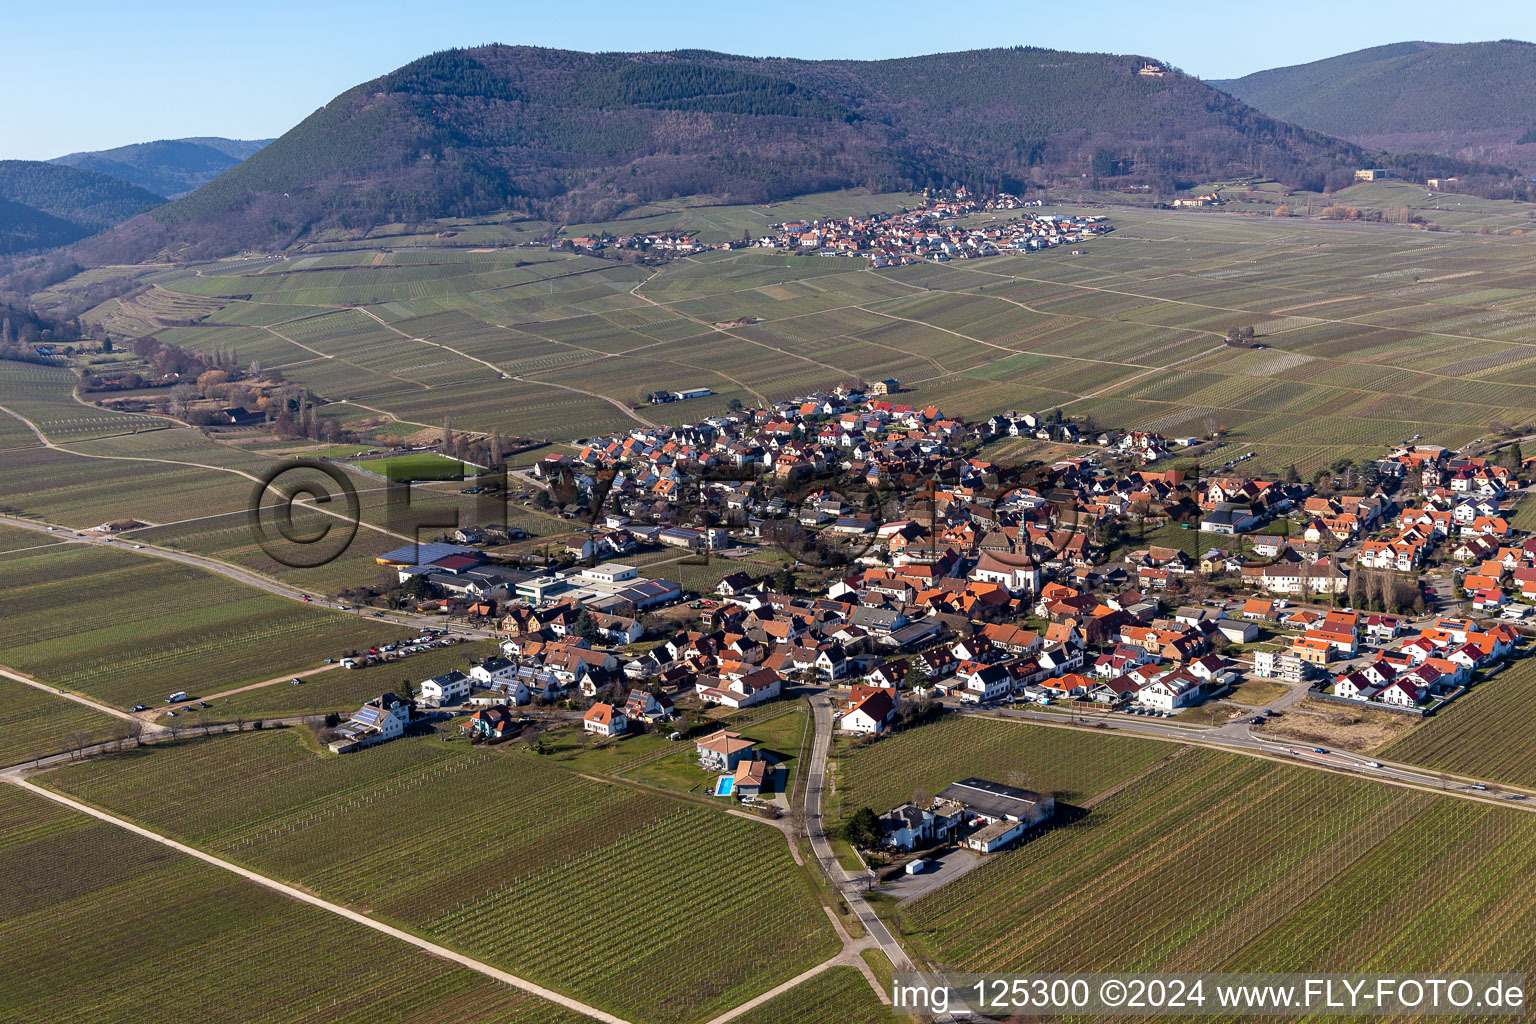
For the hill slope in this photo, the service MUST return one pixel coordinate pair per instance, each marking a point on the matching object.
(1470, 100)
(580, 135)
(48, 204)
(169, 167)
(23, 229)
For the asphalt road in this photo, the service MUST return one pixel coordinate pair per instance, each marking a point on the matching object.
(821, 709)
(1239, 737)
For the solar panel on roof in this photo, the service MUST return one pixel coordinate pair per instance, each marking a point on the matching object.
(368, 716)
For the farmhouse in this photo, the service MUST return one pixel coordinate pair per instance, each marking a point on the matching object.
(604, 720)
(378, 721)
(1008, 811)
(448, 688)
(724, 750)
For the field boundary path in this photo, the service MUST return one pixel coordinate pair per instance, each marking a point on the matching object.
(78, 698)
(433, 948)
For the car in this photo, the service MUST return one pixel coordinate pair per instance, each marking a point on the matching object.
(330, 661)
(139, 707)
(1373, 764)
(170, 714)
(296, 680)
(1319, 750)
(1479, 785)
(138, 547)
(304, 597)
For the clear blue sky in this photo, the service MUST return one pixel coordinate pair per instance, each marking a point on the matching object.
(102, 73)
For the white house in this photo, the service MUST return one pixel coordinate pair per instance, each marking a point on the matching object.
(1175, 690)
(605, 720)
(448, 688)
(871, 715)
(381, 719)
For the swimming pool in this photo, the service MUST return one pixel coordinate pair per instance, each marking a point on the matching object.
(725, 785)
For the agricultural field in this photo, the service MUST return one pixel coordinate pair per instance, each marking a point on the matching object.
(343, 690)
(391, 832)
(17, 538)
(229, 538)
(1357, 324)
(187, 941)
(1218, 862)
(1070, 763)
(1484, 734)
(124, 628)
(34, 723)
(838, 995)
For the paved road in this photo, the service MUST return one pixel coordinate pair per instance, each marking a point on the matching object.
(821, 709)
(1238, 736)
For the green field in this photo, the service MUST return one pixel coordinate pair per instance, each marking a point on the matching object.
(1484, 734)
(418, 466)
(411, 833)
(1218, 862)
(125, 628)
(102, 926)
(1072, 764)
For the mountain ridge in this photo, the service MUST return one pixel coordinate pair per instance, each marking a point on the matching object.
(167, 167)
(567, 134)
(1472, 101)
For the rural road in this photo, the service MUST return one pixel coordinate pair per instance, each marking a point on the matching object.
(249, 577)
(821, 709)
(1236, 736)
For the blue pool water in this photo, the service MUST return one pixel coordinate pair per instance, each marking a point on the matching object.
(725, 786)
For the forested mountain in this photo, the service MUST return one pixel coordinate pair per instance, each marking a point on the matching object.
(48, 204)
(1475, 101)
(581, 135)
(23, 229)
(169, 167)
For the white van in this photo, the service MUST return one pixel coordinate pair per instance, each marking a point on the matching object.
(177, 697)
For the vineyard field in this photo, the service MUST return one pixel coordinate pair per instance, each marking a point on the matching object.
(414, 832)
(1484, 734)
(1221, 862)
(94, 920)
(1070, 763)
(126, 628)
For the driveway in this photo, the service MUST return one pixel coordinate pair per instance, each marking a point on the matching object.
(941, 870)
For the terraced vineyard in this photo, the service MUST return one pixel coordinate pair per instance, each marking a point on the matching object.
(1221, 862)
(1484, 734)
(409, 831)
(95, 918)
(128, 629)
(1070, 763)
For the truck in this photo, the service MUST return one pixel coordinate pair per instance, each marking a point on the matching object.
(177, 697)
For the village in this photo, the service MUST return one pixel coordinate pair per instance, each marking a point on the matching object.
(918, 579)
(930, 232)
